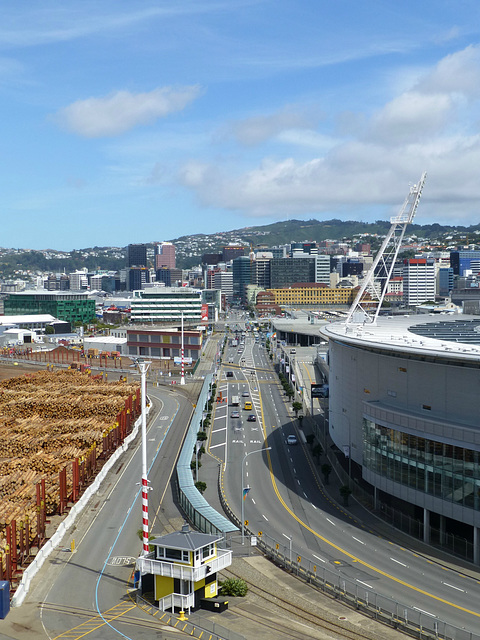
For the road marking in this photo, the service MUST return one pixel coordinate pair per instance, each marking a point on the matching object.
(96, 622)
(214, 446)
(120, 561)
(360, 541)
(217, 430)
(453, 587)
(330, 521)
(265, 517)
(398, 562)
(426, 612)
(318, 558)
(366, 584)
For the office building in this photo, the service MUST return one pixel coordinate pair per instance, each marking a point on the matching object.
(231, 252)
(166, 304)
(418, 281)
(285, 271)
(314, 294)
(137, 255)
(445, 281)
(223, 281)
(149, 342)
(242, 269)
(165, 256)
(462, 261)
(68, 306)
(322, 269)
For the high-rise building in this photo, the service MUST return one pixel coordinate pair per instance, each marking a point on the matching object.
(322, 269)
(445, 281)
(166, 304)
(242, 269)
(418, 281)
(137, 255)
(165, 255)
(286, 271)
(461, 261)
(137, 277)
(223, 281)
(232, 251)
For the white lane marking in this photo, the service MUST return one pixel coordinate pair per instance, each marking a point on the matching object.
(305, 495)
(214, 446)
(423, 611)
(265, 517)
(217, 430)
(253, 500)
(398, 562)
(360, 541)
(331, 522)
(366, 584)
(318, 558)
(453, 587)
(313, 505)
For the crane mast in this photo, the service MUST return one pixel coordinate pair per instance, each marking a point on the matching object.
(370, 296)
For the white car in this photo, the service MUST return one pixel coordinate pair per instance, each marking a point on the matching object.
(292, 440)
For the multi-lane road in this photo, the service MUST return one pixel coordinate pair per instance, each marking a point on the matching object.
(287, 500)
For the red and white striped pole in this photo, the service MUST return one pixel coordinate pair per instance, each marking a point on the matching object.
(143, 367)
(182, 379)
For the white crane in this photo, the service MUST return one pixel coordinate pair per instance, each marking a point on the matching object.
(369, 299)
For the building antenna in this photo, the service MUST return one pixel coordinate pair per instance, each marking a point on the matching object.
(370, 296)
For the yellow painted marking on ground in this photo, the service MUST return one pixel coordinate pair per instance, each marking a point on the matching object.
(338, 548)
(96, 622)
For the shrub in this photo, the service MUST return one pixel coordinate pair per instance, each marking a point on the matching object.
(201, 486)
(235, 587)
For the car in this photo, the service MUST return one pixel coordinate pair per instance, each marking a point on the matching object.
(229, 374)
(235, 414)
(252, 418)
(245, 394)
(292, 439)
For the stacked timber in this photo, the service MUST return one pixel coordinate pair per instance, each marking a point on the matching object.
(47, 420)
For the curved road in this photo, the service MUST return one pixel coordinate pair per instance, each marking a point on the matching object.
(287, 500)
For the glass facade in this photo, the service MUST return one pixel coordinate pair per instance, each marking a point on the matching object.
(443, 470)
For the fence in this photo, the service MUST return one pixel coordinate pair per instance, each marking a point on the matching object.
(382, 608)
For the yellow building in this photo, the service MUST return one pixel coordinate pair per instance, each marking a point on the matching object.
(312, 294)
(182, 569)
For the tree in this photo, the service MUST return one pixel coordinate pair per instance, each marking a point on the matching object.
(201, 486)
(296, 406)
(202, 436)
(49, 330)
(290, 392)
(317, 451)
(345, 491)
(235, 587)
(326, 470)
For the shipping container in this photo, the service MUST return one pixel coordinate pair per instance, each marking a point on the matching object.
(4, 598)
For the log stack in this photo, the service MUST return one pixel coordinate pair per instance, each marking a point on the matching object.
(46, 421)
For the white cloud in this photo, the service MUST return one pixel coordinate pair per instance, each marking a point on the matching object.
(456, 73)
(121, 111)
(411, 116)
(257, 129)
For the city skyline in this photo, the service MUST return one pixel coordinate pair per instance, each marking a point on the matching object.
(123, 123)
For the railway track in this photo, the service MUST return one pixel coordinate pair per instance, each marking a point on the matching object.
(303, 615)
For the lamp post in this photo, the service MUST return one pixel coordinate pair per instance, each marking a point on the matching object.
(182, 378)
(243, 488)
(143, 368)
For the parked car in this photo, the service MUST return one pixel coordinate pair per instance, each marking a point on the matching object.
(252, 418)
(292, 439)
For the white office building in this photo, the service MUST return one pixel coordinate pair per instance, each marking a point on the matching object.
(166, 304)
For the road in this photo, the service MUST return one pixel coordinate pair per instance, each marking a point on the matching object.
(84, 592)
(287, 500)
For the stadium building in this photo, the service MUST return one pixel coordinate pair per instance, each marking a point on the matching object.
(403, 410)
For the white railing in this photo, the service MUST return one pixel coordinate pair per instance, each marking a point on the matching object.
(177, 600)
(148, 564)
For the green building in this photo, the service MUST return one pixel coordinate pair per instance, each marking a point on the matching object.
(64, 305)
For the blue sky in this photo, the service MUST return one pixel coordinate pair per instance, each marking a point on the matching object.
(140, 121)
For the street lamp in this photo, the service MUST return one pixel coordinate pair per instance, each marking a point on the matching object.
(244, 495)
(143, 366)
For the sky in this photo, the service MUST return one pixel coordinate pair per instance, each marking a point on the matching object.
(145, 121)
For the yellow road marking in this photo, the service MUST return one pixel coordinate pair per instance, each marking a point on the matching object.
(338, 548)
(96, 622)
